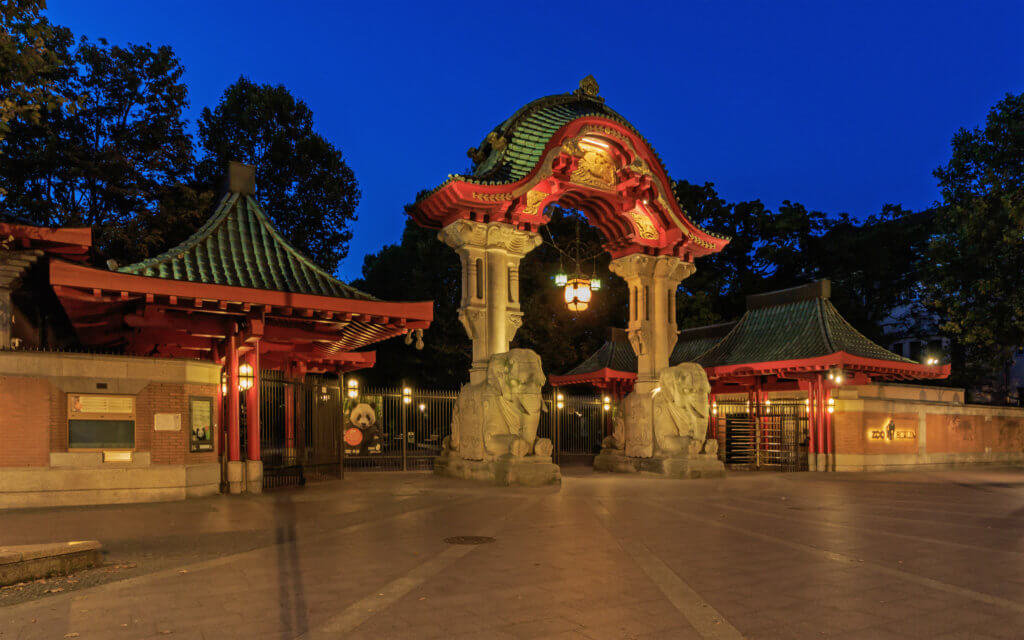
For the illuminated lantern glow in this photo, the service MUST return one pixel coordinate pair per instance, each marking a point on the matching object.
(577, 294)
(245, 377)
(595, 284)
(561, 279)
(407, 395)
(353, 388)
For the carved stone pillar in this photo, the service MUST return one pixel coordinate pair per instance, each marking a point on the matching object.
(490, 253)
(652, 329)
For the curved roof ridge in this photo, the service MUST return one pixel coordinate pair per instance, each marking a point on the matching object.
(225, 250)
(845, 337)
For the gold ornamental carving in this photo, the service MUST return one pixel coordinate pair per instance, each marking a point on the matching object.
(493, 197)
(533, 200)
(595, 169)
(644, 227)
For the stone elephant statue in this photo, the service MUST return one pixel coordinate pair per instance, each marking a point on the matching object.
(680, 412)
(500, 415)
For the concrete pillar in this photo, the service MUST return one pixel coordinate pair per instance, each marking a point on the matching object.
(236, 468)
(490, 253)
(652, 329)
(253, 464)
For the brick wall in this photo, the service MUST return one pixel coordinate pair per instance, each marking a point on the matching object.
(24, 422)
(169, 447)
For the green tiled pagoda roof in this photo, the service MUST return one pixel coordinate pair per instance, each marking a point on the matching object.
(238, 246)
(615, 354)
(527, 133)
(793, 324)
(694, 342)
(529, 130)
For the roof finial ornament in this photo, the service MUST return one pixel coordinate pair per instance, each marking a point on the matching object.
(588, 89)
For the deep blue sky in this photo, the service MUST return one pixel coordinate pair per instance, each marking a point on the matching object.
(840, 106)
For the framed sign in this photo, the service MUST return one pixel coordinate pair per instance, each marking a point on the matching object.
(101, 421)
(200, 420)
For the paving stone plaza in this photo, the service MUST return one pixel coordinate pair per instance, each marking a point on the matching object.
(872, 555)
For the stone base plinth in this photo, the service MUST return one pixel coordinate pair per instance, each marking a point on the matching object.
(532, 471)
(696, 467)
(254, 476)
(616, 461)
(236, 476)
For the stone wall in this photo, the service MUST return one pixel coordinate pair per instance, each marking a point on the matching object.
(879, 427)
(36, 466)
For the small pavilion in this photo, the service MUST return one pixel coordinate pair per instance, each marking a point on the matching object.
(234, 293)
(792, 341)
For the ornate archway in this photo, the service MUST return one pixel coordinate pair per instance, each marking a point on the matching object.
(574, 150)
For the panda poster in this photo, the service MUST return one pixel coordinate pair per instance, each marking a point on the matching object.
(363, 429)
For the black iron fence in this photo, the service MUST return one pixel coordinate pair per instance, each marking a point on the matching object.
(376, 419)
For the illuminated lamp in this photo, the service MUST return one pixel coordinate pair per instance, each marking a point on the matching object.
(245, 377)
(714, 408)
(423, 407)
(406, 395)
(831, 405)
(577, 294)
(224, 383)
(561, 279)
(353, 388)
(595, 284)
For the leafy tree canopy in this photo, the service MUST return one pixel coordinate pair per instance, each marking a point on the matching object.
(31, 51)
(301, 179)
(120, 163)
(976, 278)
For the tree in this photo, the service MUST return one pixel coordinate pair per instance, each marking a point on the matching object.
(420, 267)
(120, 164)
(976, 277)
(562, 338)
(301, 178)
(32, 52)
(876, 266)
(768, 250)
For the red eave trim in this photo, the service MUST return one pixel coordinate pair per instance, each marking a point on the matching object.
(72, 275)
(601, 375)
(73, 236)
(870, 366)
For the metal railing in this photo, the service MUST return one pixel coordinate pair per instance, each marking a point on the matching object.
(768, 435)
(575, 424)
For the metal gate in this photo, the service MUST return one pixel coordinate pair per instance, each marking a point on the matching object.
(772, 435)
(300, 428)
(376, 419)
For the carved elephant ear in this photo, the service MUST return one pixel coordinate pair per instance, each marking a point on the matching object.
(499, 369)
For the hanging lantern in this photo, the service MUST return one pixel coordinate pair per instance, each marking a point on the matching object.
(245, 377)
(577, 294)
(595, 284)
(561, 279)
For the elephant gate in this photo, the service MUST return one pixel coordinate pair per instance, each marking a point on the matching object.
(571, 150)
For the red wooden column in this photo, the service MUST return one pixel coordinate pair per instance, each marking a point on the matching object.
(252, 407)
(234, 448)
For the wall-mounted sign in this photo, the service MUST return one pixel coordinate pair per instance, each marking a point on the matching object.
(890, 433)
(200, 413)
(98, 421)
(167, 422)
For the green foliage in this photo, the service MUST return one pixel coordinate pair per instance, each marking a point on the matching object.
(302, 180)
(420, 267)
(875, 266)
(768, 251)
(563, 339)
(32, 52)
(976, 276)
(120, 163)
